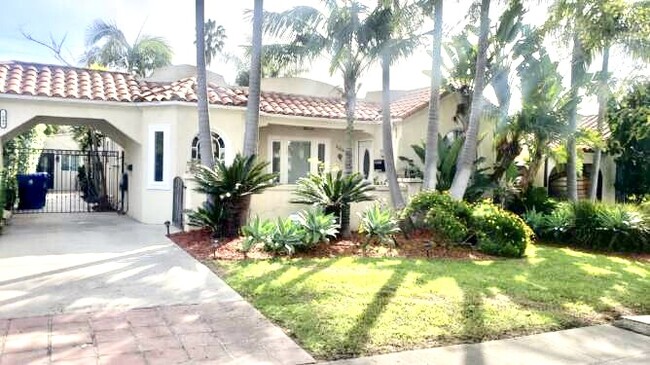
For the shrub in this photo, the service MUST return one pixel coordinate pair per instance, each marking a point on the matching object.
(447, 224)
(333, 193)
(425, 201)
(289, 235)
(534, 198)
(379, 225)
(231, 186)
(318, 226)
(209, 216)
(597, 226)
(499, 232)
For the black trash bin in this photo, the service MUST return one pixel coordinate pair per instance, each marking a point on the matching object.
(32, 189)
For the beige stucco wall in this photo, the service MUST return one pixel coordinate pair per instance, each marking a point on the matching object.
(299, 85)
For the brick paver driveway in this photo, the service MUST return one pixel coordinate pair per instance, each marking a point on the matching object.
(104, 289)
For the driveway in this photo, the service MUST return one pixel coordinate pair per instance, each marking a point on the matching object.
(102, 288)
(58, 263)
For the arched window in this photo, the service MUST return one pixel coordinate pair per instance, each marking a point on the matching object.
(218, 147)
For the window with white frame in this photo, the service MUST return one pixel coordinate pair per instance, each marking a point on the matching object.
(293, 158)
(159, 157)
(218, 148)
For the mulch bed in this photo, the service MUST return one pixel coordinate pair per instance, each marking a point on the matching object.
(198, 243)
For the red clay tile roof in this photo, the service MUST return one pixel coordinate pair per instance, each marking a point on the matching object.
(79, 83)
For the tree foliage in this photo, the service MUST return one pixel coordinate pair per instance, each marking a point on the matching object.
(629, 120)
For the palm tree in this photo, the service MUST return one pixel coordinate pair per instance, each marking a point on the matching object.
(613, 22)
(343, 33)
(394, 26)
(251, 133)
(431, 155)
(205, 135)
(107, 46)
(215, 38)
(468, 153)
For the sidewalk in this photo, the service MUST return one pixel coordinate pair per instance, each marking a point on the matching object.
(603, 344)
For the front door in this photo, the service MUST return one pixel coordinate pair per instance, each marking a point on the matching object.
(364, 158)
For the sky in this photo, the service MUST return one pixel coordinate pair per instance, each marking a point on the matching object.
(174, 20)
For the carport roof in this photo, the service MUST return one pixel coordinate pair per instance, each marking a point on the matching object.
(32, 79)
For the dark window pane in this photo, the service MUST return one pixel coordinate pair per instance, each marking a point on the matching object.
(275, 158)
(158, 156)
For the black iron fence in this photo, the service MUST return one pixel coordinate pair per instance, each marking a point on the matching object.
(75, 181)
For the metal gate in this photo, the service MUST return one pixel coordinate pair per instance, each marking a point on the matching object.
(179, 201)
(76, 181)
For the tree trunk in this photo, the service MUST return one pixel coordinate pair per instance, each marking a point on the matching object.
(577, 70)
(350, 90)
(506, 155)
(387, 136)
(467, 156)
(205, 135)
(431, 154)
(345, 221)
(251, 134)
(602, 114)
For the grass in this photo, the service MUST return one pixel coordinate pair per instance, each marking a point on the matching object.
(344, 307)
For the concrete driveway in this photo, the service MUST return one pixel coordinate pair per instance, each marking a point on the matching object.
(104, 289)
(60, 263)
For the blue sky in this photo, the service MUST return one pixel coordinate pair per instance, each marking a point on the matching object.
(174, 20)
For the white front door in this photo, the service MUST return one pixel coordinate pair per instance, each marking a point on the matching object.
(364, 158)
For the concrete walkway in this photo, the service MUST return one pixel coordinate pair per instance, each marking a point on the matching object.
(102, 288)
(589, 345)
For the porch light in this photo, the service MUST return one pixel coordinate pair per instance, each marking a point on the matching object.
(167, 223)
(215, 245)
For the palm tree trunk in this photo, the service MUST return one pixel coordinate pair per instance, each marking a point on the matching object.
(431, 154)
(467, 156)
(387, 136)
(602, 110)
(534, 165)
(251, 134)
(205, 135)
(345, 221)
(350, 90)
(577, 70)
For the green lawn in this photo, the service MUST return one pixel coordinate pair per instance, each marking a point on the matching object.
(345, 307)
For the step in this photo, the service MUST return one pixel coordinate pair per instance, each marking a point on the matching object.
(638, 324)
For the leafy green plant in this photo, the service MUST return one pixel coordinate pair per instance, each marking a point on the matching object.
(533, 198)
(208, 216)
(334, 193)
(257, 232)
(230, 186)
(499, 232)
(425, 201)
(447, 224)
(288, 237)
(379, 225)
(318, 226)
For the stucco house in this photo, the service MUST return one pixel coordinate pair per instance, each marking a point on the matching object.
(154, 122)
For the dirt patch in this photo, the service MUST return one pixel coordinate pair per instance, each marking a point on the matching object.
(200, 245)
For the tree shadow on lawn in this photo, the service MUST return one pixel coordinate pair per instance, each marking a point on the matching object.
(566, 287)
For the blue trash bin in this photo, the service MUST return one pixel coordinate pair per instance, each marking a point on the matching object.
(32, 189)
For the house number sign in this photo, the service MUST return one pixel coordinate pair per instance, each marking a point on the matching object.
(3, 118)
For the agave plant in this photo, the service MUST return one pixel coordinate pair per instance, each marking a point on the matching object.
(334, 193)
(231, 186)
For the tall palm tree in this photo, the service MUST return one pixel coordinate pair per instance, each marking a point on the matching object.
(342, 33)
(468, 153)
(107, 46)
(251, 133)
(394, 26)
(614, 23)
(215, 40)
(431, 155)
(205, 135)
